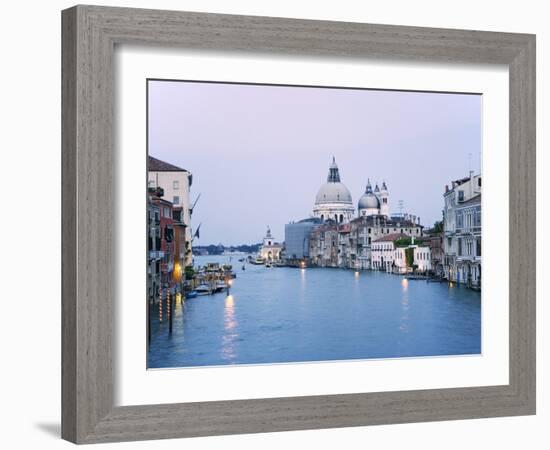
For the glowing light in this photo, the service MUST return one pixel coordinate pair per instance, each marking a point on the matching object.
(303, 264)
(160, 305)
(229, 302)
(405, 284)
(356, 273)
(229, 282)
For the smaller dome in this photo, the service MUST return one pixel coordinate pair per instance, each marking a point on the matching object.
(368, 201)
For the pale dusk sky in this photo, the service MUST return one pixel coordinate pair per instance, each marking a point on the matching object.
(259, 153)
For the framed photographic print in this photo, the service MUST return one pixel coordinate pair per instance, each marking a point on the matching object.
(279, 224)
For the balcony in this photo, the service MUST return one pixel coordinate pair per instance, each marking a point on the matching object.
(155, 254)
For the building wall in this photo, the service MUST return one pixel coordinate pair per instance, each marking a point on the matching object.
(297, 237)
(176, 186)
(462, 233)
(383, 255)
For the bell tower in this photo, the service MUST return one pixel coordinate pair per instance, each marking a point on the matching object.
(384, 196)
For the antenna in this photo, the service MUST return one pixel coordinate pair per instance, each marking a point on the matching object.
(469, 162)
(401, 206)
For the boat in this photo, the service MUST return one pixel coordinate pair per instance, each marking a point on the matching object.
(269, 264)
(221, 285)
(191, 294)
(259, 261)
(244, 268)
(203, 289)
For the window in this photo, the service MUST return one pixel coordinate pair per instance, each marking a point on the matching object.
(151, 183)
(175, 184)
(176, 200)
(459, 247)
(460, 196)
(165, 212)
(478, 246)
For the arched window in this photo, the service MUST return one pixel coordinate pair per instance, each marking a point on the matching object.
(322, 217)
(341, 218)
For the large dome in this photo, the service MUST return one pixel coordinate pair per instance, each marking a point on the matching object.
(333, 192)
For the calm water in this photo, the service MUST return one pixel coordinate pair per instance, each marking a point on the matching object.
(290, 315)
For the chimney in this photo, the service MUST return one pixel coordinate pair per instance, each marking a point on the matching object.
(446, 188)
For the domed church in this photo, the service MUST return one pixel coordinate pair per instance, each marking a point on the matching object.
(333, 200)
(374, 203)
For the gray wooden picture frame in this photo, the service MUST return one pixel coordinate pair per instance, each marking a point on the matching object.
(90, 34)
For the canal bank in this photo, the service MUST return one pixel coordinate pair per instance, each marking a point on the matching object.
(277, 315)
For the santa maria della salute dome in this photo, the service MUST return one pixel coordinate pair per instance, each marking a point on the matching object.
(334, 202)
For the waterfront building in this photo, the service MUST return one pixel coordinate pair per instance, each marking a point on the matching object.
(176, 183)
(323, 245)
(383, 252)
(412, 258)
(270, 250)
(368, 229)
(399, 253)
(462, 231)
(181, 246)
(166, 225)
(333, 200)
(297, 235)
(434, 239)
(154, 252)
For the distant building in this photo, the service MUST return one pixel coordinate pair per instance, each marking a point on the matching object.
(434, 239)
(369, 228)
(374, 203)
(270, 250)
(383, 252)
(462, 231)
(323, 245)
(176, 183)
(399, 253)
(297, 235)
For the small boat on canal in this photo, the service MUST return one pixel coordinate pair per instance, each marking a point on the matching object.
(191, 294)
(203, 289)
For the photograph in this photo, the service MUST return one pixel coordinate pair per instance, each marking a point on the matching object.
(300, 224)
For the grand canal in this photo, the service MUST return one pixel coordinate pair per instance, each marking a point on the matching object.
(275, 315)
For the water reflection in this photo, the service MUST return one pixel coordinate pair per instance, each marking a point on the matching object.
(291, 315)
(229, 351)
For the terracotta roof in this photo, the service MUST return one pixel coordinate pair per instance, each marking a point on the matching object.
(156, 165)
(391, 237)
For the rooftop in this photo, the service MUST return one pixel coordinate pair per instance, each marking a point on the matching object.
(156, 165)
(391, 237)
(473, 201)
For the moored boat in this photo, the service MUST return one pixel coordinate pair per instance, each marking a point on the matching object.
(203, 289)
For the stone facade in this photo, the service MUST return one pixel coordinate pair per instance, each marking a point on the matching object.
(349, 245)
(462, 232)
